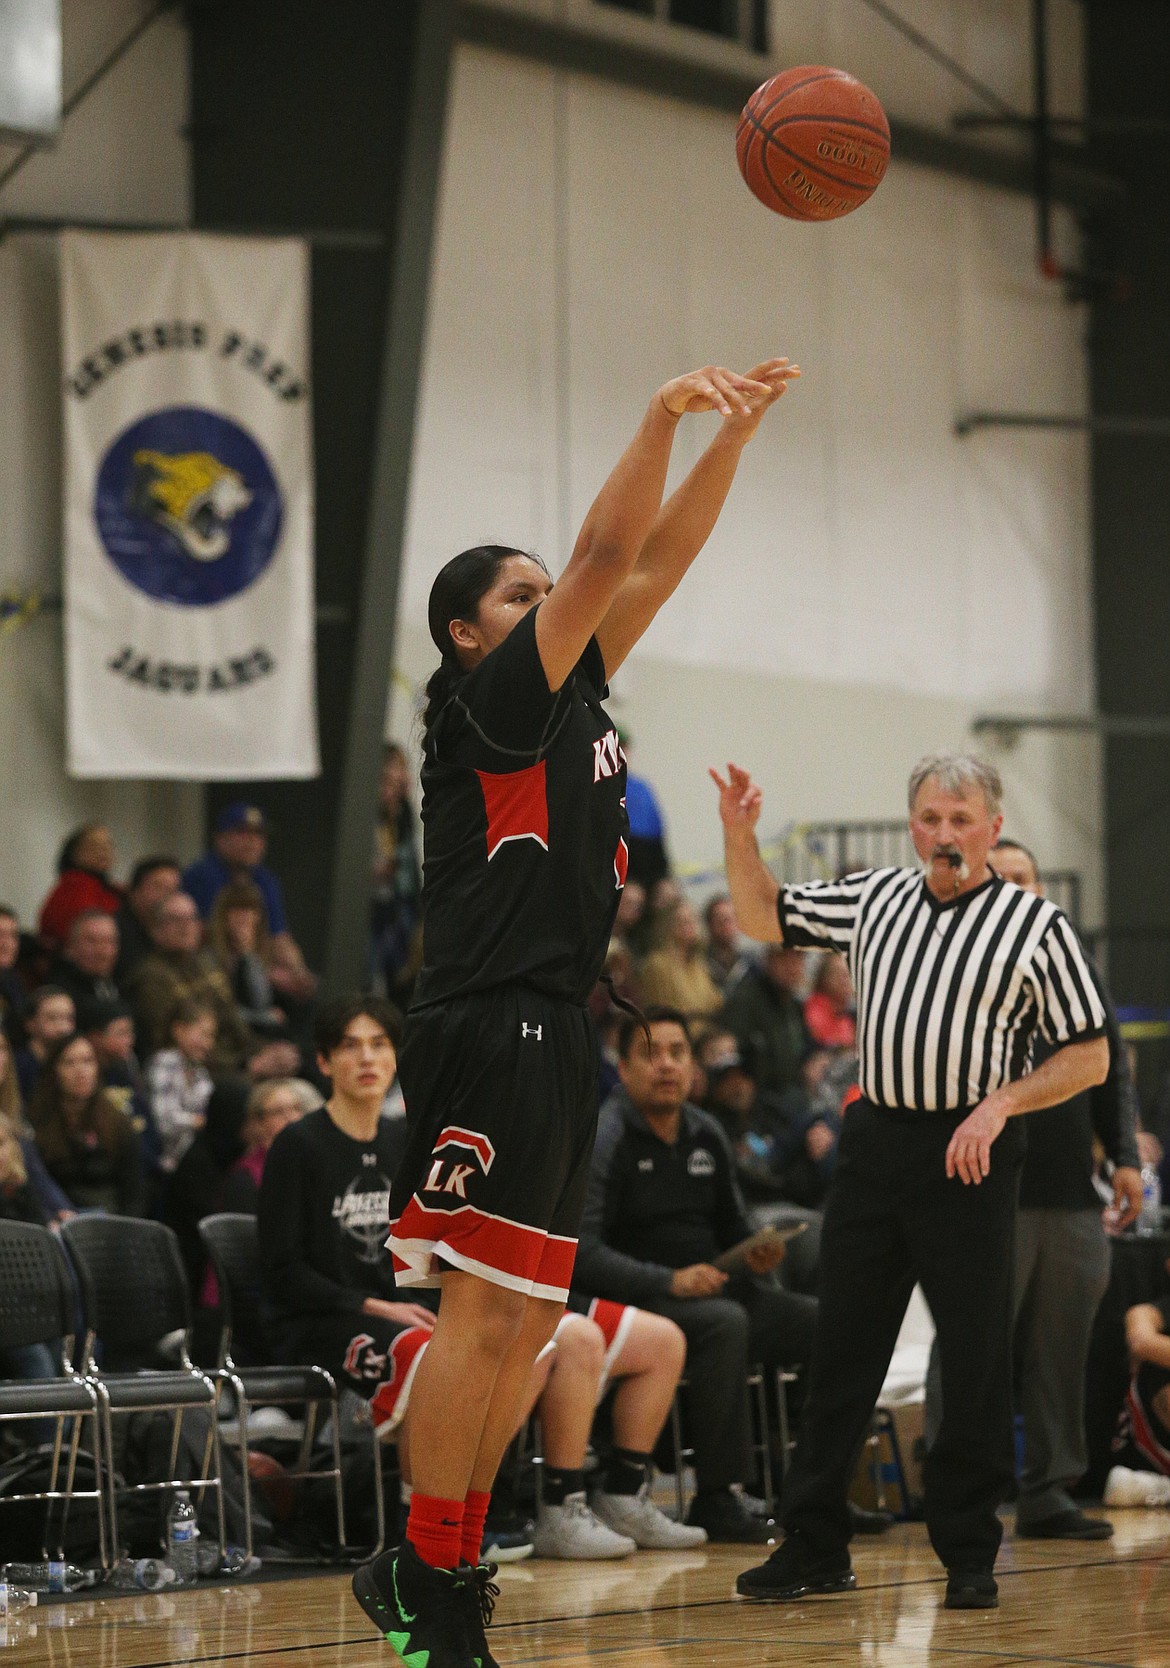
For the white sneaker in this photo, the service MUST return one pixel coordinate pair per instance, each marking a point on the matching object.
(1136, 1488)
(636, 1516)
(572, 1531)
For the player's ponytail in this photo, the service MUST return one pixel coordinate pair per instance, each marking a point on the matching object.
(459, 587)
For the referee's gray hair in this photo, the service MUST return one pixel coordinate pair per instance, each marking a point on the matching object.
(955, 773)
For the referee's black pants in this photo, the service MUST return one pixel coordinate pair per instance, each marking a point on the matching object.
(893, 1218)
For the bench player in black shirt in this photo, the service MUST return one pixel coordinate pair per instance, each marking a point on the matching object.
(524, 830)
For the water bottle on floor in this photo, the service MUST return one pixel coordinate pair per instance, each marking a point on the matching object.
(15, 1599)
(51, 1575)
(1150, 1216)
(182, 1539)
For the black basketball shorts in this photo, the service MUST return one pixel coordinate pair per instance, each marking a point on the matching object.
(501, 1108)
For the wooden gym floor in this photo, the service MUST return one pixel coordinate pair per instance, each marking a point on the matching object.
(1104, 1603)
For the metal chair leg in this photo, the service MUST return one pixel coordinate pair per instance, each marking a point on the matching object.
(677, 1445)
(335, 1443)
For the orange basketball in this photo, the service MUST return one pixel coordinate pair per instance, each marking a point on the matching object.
(275, 1484)
(813, 143)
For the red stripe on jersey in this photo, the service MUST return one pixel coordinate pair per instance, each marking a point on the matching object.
(517, 806)
(607, 1316)
(471, 1139)
(513, 1248)
(621, 864)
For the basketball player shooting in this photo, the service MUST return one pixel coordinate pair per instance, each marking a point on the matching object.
(524, 860)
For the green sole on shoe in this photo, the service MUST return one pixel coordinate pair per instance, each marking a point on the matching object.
(379, 1613)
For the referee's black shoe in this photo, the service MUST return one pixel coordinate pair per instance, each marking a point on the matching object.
(971, 1590)
(422, 1613)
(793, 1572)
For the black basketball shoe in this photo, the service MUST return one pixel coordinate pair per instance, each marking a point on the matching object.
(792, 1572)
(480, 1597)
(421, 1612)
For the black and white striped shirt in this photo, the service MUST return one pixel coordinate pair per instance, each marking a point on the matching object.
(948, 994)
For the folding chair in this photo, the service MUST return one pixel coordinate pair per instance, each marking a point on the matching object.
(134, 1295)
(36, 1307)
(231, 1242)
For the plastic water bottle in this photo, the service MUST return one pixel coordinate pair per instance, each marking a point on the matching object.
(15, 1599)
(50, 1576)
(182, 1539)
(1150, 1216)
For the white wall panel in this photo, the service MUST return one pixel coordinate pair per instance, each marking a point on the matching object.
(874, 581)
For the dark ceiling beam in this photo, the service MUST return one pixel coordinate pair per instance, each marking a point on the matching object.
(617, 55)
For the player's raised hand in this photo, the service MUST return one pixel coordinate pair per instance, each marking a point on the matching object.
(714, 388)
(772, 374)
(740, 800)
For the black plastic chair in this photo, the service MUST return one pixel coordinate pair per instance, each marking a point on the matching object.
(36, 1307)
(134, 1296)
(232, 1245)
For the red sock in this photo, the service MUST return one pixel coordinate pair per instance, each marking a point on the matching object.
(435, 1530)
(475, 1510)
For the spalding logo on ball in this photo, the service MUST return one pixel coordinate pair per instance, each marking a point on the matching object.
(813, 143)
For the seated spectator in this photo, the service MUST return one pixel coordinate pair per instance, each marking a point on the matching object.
(51, 1016)
(662, 1205)
(152, 881)
(83, 870)
(110, 1029)
(631, 908)
(675, 975)
(178, 1083)
(640, 1356)
(766, 1013)
(86, 964)
(783, 1149)
(13, 994)
(830, 1015)
(1140, 1475)
(726, 960)
(241, 944)
(52, 1204)
(272, 1106)
(88, 1144)
(177, 970)
(238, 848)
(395, 915)
(323, 1212)
(18, 1199)
(649, 860)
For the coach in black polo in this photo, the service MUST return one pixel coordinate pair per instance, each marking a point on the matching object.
(954, 970)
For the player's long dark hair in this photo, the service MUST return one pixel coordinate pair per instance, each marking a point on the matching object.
(459, 588)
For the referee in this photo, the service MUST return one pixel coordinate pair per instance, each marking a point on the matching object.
(955, 970)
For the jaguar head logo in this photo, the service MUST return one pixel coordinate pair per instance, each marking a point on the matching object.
(192, 495)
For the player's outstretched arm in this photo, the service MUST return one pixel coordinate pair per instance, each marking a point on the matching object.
(623, 513)
(754, 890)
(684, 523)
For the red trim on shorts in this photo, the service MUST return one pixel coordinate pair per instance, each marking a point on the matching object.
(613, 1321)
(471, 1141)
(508, 1253)
(1142, 1432)
(389, 1402)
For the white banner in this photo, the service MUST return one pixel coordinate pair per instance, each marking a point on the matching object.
(189, 606)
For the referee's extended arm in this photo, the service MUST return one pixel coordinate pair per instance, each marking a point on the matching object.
(754, 891)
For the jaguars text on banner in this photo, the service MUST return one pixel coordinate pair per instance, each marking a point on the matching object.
(189, 599)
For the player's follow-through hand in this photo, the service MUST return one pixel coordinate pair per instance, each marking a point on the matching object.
(740, 800)
(715, 388)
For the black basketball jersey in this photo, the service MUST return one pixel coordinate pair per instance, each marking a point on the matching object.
(524, 828)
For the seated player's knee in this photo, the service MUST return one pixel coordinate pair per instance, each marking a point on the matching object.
(580, 1346)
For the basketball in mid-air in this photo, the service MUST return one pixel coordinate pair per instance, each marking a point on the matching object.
(813, 143)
